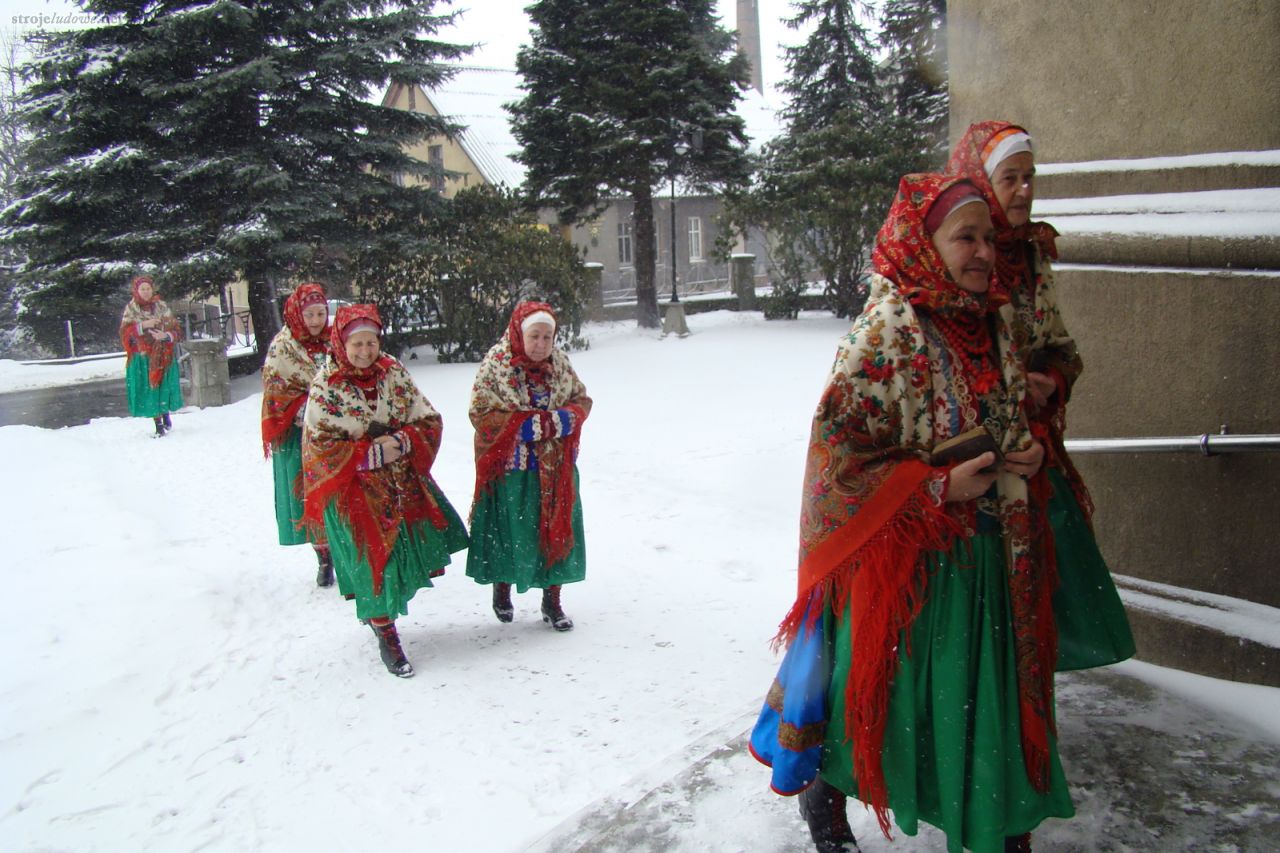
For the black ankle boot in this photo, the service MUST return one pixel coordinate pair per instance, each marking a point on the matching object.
(823, 807)
(1018, 843)
(324, 571)
(389, 647)
(552, 612)
(502, 602)
(159, 422)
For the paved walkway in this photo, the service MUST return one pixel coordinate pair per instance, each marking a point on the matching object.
(1149, 772)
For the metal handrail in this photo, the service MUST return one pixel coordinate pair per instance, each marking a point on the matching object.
(1209, 444)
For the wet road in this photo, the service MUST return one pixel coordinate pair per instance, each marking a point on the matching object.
(67, 405)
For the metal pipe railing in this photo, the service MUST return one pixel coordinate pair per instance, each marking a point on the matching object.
(1209, 444)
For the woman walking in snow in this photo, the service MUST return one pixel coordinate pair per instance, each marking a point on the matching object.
(528, 407)
(919, 672)
(997, 157)
(369, 440)
(296, 354)
(149, 332)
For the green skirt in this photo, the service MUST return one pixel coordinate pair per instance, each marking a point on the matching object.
(1093, 629)
(952, 753)
(421, 553)
(148, 402)
(286, 466)
(504, 536)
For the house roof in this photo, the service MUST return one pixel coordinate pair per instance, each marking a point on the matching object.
(474, 96)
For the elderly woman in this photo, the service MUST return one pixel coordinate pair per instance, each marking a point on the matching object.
(919, 672)
(296, 354)
(149, 332)
(997, 157)
(528, 407)
(369, 438)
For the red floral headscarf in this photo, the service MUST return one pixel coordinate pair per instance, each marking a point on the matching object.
(365, 377)
(137, 282)
(968, 160)
(515, 334)
(904, 252)
(303, 297)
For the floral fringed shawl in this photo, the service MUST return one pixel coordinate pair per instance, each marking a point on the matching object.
(136, 340)
(872, 507)
(292, 361)
(501, 402)
(342, 405)
(1024, 272)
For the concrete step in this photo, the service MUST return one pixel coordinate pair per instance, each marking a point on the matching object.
(1224, 229)
(1219, 171)
(1213, 635)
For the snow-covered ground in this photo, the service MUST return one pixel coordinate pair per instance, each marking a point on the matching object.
(174, 680)
(16, 376)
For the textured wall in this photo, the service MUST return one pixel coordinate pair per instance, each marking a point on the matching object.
(1122, 78)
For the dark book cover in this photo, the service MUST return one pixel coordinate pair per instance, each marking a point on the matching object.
(966, 445)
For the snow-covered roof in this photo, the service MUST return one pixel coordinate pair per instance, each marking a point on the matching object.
(473, 97)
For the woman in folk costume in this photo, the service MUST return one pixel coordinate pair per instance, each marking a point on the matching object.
(919, 671)
(149, 333)
(528, 407)
(296, 354)
(997, 156)
(369, 439)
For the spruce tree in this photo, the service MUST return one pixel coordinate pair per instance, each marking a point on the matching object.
(210, 140)
(824, 186)
(915, 33)
(614, 90)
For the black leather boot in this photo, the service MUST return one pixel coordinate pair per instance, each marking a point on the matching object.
(389, 647)
(502, 602)
(1018, 843)
(324, 572)
(159, 422)
(552, 612)
(823, 807)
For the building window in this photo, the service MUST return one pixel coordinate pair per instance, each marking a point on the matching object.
(435, 156)
(695, 238)
(625, 258)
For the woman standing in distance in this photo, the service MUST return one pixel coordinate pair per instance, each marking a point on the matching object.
(528, 407)
(149, 333)
(296, 354)
(919, 672)
(997, 157)
(368, 442)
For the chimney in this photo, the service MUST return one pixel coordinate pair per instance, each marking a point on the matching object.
(749, 40)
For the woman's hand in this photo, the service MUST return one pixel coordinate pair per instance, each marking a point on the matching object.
(1041, 387)
(1025, 463)
(390, 448)
(966, 482)
(157, 335)
(149, 323)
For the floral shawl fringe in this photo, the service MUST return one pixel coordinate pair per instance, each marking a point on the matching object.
(500, 404)
(159, 353)
(334, 442)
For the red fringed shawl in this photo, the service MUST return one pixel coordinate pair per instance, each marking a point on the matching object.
(500, 404)
(343, 402)
(872, 508)
(136, 341)
(294, 357)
